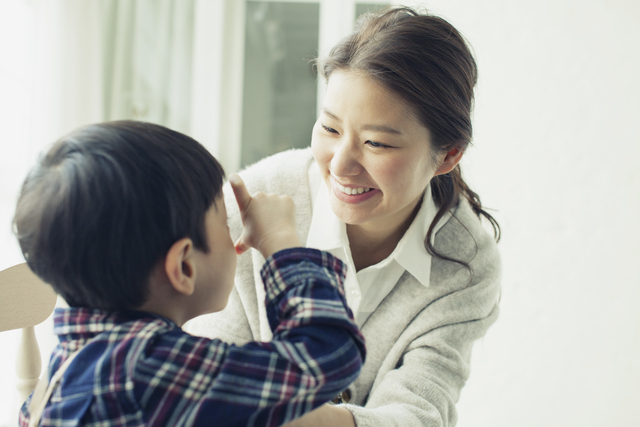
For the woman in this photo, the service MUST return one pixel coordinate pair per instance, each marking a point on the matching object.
(381, 188)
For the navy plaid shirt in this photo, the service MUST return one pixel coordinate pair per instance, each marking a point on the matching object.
(142, 369)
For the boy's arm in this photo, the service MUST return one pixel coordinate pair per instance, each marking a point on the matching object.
(316, 352)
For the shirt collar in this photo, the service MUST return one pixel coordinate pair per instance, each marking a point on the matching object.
(411, 252)
(328, 233)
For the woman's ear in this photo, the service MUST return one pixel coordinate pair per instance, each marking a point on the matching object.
(451, 159)
(180, 266)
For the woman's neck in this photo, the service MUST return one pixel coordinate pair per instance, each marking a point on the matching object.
(371, 243)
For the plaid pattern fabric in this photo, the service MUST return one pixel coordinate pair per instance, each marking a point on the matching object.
(142, 369)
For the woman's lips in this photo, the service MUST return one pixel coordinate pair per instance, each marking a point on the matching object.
(352, 194)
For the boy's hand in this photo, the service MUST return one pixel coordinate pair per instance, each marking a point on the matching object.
(268, 220)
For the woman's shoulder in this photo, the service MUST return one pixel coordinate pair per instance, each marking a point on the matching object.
(281, 173)
(464, 237)
(284, 173)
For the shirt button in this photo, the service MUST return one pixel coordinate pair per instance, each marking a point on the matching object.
(344, 397)
(354, 293)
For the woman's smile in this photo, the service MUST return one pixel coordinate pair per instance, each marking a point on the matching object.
(353, 194)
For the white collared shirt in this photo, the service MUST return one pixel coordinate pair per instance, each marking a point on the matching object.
(366, 289)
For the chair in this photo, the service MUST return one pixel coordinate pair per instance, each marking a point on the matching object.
(25, 301)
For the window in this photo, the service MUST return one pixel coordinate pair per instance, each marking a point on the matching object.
(279, 87)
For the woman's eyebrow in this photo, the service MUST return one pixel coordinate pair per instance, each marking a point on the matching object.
(381, 128)
(330, 114)
(375, 128)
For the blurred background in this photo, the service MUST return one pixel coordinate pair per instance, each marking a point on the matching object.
(556, 153)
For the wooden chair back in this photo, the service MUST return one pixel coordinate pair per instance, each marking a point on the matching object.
(25, 301)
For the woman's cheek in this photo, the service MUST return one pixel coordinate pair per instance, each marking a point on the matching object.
(319, 150)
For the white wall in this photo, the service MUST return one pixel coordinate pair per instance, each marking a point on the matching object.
(38, 104)
(557, 154)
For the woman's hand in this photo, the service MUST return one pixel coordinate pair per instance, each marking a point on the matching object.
(325, 416)
(268, 220)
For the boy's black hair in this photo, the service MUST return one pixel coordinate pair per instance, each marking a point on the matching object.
(106, 203)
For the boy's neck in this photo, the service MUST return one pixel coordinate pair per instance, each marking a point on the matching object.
(164, 301)
(171, 311)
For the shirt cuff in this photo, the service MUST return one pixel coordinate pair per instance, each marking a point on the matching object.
(287, 267)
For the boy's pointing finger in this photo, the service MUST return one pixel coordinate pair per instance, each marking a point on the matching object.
(240, 191)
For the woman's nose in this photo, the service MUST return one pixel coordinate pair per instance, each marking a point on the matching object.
(346, 159)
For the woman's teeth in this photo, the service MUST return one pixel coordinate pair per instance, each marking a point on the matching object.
(352, 191)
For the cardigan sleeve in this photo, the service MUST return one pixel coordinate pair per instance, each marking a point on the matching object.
(423, 389)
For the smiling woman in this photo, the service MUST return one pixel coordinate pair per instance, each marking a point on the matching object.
(366, 138)
(381, 188)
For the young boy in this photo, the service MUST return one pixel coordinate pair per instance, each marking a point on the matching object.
(127, 222)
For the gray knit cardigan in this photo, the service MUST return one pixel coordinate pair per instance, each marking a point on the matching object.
(419, 339)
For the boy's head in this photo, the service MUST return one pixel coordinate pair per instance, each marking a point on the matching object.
(106, 204)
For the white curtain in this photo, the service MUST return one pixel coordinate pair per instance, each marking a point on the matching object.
(66, 63)
(147, 59)
(162, 61)
(98, 60)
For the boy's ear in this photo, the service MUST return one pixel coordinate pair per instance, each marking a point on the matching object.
(451, 159)
(180, 266)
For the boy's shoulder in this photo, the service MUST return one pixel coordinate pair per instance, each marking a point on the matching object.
(100, 334)
(134, 347)
(126, 365)
(84, 322)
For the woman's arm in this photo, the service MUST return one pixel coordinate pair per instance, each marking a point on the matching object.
(326, 415)
(421, 392)
(424, 389)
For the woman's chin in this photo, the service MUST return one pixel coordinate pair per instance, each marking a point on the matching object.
(352, 214)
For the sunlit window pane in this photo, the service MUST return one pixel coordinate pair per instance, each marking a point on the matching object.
(368, 7)
(279, 90)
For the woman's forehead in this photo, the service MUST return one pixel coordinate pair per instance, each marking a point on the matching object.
(357, 96)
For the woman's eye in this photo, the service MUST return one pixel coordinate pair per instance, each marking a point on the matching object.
(328, 129)
(376, 144)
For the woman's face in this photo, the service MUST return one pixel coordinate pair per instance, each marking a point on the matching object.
(373, 154)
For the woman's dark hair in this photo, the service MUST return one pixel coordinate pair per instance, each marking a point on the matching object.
(106, 203)
(425, 61)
